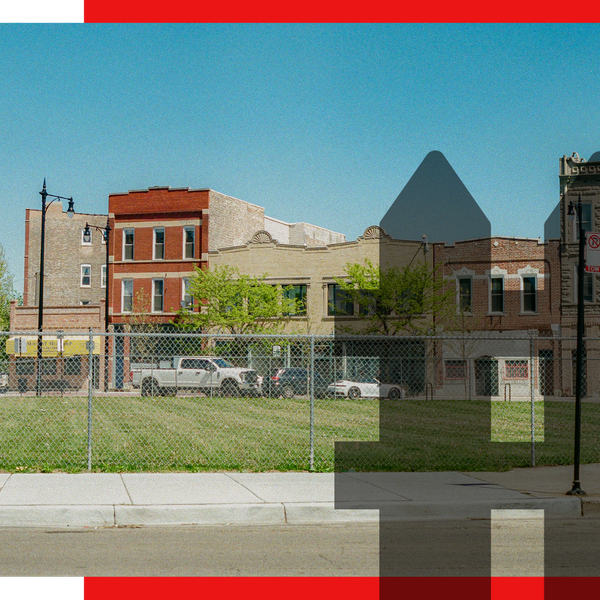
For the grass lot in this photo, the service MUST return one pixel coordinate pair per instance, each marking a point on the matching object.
(261, 434)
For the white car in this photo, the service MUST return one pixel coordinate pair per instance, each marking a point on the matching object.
(366, 388)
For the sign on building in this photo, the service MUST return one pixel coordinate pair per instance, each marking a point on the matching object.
(592, 252)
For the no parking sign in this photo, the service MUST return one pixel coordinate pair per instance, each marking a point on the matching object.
(592, 252)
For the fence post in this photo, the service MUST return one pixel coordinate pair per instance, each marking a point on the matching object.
(312, 404)
(90, 345)
(532, 392)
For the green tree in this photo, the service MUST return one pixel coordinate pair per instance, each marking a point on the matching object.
(7, 291)
(231, 302)
(398, 300)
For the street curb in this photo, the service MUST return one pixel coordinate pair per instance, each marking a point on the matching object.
(303, 513)
(57, 516)
(207, 514)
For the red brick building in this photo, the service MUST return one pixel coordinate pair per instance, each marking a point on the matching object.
(508, 292)
(159, 236)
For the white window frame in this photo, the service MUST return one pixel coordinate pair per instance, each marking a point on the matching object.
(132, 245)
(154, 282)
(154, 243)
(458, 306)
(123, 284)
(89, 269)
(103, 276)
(522, 282)
(187, 228)
(91, 238)
(184, 281)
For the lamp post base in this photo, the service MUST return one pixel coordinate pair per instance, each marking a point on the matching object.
(576, 490)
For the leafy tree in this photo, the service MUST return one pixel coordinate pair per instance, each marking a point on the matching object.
(397, 300)
(231, 302)
(7, 291)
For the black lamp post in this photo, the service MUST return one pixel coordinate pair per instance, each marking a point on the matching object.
(70, 212)
(575, 208)
(87, 237)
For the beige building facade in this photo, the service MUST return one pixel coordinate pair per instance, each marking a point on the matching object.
(312, 271)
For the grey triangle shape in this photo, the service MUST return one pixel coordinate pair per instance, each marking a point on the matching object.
(435, 202)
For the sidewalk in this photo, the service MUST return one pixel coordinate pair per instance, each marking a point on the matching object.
(137, 499)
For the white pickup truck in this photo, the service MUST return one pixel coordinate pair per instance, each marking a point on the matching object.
(203, 373)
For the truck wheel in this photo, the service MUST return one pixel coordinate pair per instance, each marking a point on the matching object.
(354, 393)
(288, 392)
(229, 388)
(149, 387)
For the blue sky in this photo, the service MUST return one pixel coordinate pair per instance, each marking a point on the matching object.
(317, 123)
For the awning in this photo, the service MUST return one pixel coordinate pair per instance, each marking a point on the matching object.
(52, 345)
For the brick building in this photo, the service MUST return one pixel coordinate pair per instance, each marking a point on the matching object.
(507, 290)
(579, 178)
(74, 270)
(160, 235)
(312, 272)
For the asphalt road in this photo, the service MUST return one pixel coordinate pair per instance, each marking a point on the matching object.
(426, 548)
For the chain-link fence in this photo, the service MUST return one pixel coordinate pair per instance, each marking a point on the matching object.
(192, 402)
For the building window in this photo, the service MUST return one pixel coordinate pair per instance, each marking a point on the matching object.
(339, 301)
(516, 369)
(86, 275)
(367, 305)
(465, 294)
(586, 219)
(189, 242)
(188, 299)
(86, 240)
(25, 366)
(127, 295)
(159, 243)
(72, 365)
(530, 294)
(158, 295)
(588, 286)
(128, 241)
(48, 366)
(455, 369)
(497, 294)
(297, 293)
(103, 276)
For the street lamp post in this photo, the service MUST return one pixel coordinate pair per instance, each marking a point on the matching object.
(70, 212)
(575, 208)
(87, 236)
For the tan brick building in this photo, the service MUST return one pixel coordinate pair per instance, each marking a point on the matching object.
(579, 178)
(74, 270)
(314, 269)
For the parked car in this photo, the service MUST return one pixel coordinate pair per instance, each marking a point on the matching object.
(196, 373)
(294, 381)
(365, 388)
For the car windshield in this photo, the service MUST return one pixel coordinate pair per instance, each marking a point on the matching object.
(221, 362)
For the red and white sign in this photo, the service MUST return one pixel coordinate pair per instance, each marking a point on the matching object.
(592, 252)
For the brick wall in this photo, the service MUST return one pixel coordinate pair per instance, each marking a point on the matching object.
(511, 258)
(64, 255)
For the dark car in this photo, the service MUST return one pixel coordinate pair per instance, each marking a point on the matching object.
(293, 381)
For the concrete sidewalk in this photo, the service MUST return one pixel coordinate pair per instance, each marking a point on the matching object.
(135, 499)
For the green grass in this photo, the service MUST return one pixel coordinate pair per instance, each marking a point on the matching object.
(131, 433)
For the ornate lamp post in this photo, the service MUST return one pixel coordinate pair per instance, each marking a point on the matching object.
(573, 209)
(87, 236)
(70, 212)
